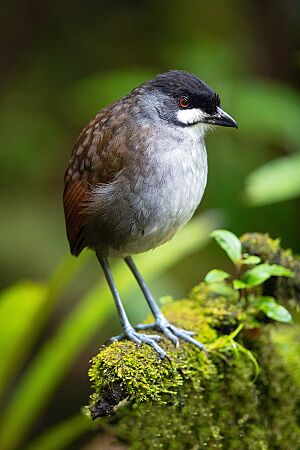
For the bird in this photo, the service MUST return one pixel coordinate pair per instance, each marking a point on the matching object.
(136, 175)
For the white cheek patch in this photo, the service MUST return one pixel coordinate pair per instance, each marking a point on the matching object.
(190, 116)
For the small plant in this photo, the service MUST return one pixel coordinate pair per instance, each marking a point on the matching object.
(250, 274)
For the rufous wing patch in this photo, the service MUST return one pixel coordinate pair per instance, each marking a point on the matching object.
(75, 196)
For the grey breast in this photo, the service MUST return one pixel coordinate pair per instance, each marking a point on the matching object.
(155, 194)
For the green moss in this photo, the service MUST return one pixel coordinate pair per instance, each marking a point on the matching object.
(194, 402)
(141, 374)
(262, 245)
(285, 289)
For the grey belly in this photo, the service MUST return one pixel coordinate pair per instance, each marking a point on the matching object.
(136, 216)
(147, 219)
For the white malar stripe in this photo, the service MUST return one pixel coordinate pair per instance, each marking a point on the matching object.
(190, 116)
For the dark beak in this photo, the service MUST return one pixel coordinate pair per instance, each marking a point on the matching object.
(221, 118)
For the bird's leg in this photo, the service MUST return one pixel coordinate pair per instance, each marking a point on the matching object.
(161, 323)
(128, 329)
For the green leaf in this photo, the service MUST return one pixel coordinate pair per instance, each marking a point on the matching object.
(250, 260)
(230, 243)
(63, 434)
(28, 306)
(251, 357)
(262, 186)
(258, 274)
(227, 342)
(273, 310)
(235, 332)
(20, 306)
(275, 270)
(215, 275)
(256, 278)
(238, 284)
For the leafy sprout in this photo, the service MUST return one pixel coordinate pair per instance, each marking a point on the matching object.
(230, 243)
(216, 275)
(272, 309)
(251, 274)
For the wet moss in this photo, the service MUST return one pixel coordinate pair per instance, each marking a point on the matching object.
(141, 374)
(194, 402)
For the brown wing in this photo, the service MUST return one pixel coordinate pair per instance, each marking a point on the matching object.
(75, 195)
(96, 158)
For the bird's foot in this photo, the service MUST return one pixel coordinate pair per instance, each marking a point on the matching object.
(139, 338)
(173, 333)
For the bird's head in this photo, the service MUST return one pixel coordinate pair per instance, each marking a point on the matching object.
(182, 99)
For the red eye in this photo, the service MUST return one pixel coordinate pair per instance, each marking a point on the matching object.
(183, 102)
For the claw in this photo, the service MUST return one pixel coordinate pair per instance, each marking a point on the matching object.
(154, 337)
(186, 337)
(173, 333)
(170, 331)
(170, 336)
(190, 333)
(139, 339)
(113, 339)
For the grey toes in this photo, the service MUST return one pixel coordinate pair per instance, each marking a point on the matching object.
(171, 332)
(170, 335)
(174, 334)
(149, 339)
(182, 334)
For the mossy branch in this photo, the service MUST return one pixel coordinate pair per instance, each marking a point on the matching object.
(197, 402)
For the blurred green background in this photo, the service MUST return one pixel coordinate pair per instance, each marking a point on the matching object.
(61, 63)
